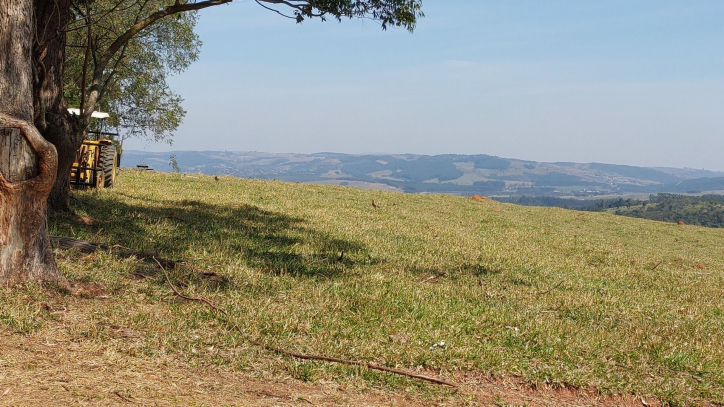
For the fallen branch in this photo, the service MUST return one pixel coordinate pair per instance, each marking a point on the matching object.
(70, 243)
(89, 247)
(552, 288)
(431, 278)
(300, 355)
(124, 398)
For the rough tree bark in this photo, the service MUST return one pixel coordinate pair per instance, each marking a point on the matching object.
(27, 161)
(51, 113)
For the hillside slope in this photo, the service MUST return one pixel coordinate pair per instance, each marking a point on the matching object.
(433, 283)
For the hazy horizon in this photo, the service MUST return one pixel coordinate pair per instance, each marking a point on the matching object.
(173, 150)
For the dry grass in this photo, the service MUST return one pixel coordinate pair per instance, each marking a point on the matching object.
(556, 297)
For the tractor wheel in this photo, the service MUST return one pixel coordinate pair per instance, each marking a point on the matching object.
(107, 165)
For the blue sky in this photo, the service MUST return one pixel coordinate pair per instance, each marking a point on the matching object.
(624, 82)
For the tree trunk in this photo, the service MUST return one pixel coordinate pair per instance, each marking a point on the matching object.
(67, 141)
(51, 113)
(28, 163)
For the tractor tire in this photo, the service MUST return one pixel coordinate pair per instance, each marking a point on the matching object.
(107, 165)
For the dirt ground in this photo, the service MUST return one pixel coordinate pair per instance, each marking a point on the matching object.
(34, 372)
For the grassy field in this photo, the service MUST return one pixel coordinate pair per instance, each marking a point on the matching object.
(422, 282)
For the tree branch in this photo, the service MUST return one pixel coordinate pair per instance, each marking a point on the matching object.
(276, 11)
(85, 65)
(95, 90)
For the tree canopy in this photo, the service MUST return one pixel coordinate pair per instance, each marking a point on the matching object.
(134, 88)
(396, 13)
(120, 52)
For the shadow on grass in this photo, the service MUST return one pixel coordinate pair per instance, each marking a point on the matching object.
(190, 230)
(479, 270)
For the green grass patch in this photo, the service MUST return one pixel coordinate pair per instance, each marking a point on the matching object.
(437, 282)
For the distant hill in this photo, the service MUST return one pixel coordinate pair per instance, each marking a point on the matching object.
(449, 173)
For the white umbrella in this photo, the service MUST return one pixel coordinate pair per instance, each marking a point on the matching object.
(95, 115)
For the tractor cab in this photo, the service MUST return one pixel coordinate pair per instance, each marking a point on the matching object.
(97, 160)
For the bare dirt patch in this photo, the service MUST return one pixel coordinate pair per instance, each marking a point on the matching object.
(41, 371)
(514, 391)
(35, 371)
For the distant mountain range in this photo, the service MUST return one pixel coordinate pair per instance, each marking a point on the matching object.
(449, 173)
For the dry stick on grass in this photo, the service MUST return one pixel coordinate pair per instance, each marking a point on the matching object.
(552, 288)
(124, 398)
(431, 278)
(89, 247)
(300, 355)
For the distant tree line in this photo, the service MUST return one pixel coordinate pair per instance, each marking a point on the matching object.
(706, 210)
(567, 203)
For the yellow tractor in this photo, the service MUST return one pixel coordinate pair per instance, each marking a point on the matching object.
(95, 163)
